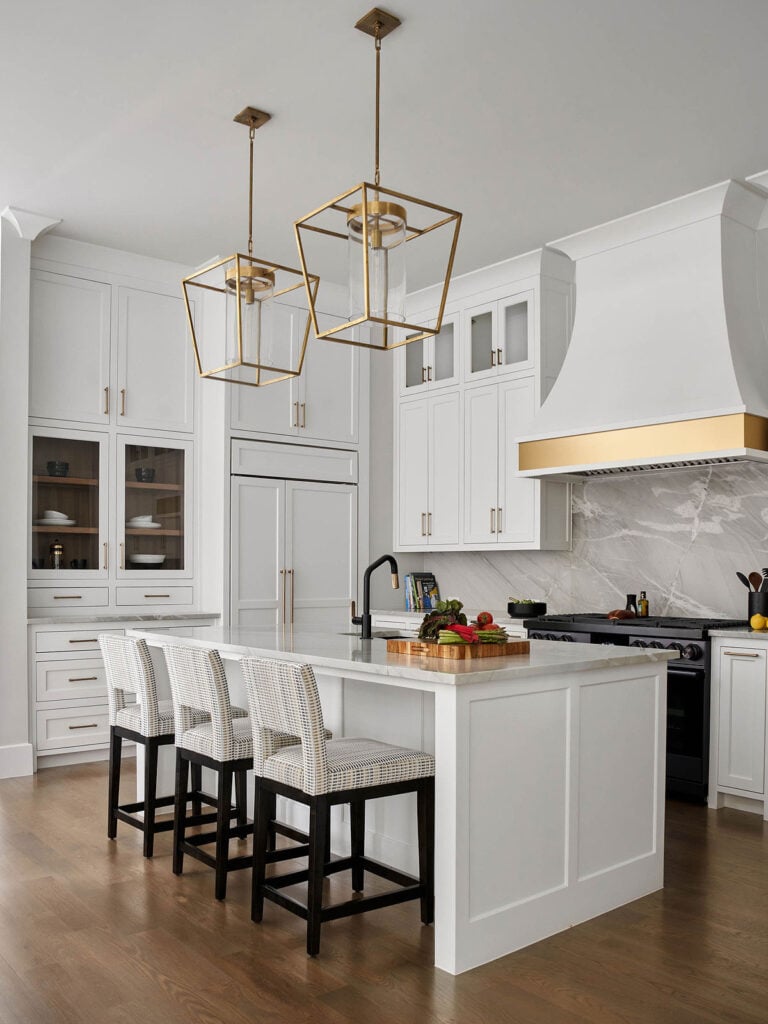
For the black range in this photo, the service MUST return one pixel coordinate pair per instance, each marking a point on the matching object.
(688, 679)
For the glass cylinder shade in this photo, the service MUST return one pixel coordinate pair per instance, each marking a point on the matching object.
(385, 238)
(256, 322)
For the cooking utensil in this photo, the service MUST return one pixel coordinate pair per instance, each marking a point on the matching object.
(755, 579)
(744, 580)
(764, 586)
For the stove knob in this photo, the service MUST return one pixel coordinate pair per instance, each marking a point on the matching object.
(550, 636)
(535, 636)
(567, 638)
(675, 647)
(692, 652)
(656, 643)
(638, 643)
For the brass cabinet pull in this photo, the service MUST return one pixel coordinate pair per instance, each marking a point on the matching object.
(290, 573)
(429, 373)
(429, 524)
(493, 520)
(282, 573)
(303, 414)
(352, 609)
(122, 401)
(122, 556)
(106, 555)
(90, 725)
(295, 414)
(83, 679)
(493, 357)
(499, 360)
(742, 654)
(423, 524)
(90, 640)
(157, 595)
(106, 401)
(423, 375)
(67, 597)
(498, 520)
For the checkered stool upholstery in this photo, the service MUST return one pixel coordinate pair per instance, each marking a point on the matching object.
(283, 697)
(129, 671)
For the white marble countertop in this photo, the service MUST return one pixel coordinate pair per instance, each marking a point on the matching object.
(85, 619)
(340, 653)
(741, 633)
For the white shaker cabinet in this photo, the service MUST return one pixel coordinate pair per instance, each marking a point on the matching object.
(499, 337)
(429, 471)
(739, 682)
(69, 367)
(432, 363)
(258, 551)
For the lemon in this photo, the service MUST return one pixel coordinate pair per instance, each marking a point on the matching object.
(758, 622)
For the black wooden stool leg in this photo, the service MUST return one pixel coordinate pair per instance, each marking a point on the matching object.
(197, 785)
(263, 815)
(318, 829)
(115, 752)
(241, 797)
(180, 811)
(357, 839)
(150, 795)
(224, 798)
(271, 814)
(426, 817)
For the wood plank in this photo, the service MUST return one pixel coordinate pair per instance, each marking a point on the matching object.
(457, 652)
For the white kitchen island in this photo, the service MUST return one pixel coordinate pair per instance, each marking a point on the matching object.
(549, 778)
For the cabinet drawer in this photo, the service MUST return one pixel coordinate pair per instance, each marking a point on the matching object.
(154, 595)
(67, 728)
(76, 640)
(63, 680)
(66, 599)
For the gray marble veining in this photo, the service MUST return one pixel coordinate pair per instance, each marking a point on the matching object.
(680, 535)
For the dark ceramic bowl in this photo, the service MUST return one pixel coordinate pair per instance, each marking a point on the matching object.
(145, 475)
(526, 609)
(57, 468)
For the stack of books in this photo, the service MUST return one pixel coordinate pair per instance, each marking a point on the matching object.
(421, 591)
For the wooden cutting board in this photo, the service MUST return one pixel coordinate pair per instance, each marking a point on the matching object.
(457, 652)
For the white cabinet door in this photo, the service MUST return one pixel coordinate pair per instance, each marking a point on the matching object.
(445, 468)
(481, 448)
(741, 732)
(273, 408)
(258, 589)
(328, 403)
(69, 348)
(413, 472)
(321, 553)
(518, 496)
(155, 366)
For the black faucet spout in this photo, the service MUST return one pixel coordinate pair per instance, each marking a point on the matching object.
(364, 620)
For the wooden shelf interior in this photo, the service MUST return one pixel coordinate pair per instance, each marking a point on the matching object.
(134, 485)
(67, 481)
(65, 529)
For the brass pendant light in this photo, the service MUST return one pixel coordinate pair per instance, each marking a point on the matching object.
(381, 229)
(266, 328)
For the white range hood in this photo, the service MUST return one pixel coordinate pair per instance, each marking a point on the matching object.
(668, 360)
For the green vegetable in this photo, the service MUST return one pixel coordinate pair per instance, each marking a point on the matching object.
(446, 613)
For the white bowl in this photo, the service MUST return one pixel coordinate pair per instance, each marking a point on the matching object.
(140, 519)
(147, 559)
(50, 513)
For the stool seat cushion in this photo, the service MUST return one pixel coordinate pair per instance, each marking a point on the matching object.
(353, 763)
(199, 739)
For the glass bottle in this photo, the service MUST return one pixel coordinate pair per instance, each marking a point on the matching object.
(642, 605)
(56, 552)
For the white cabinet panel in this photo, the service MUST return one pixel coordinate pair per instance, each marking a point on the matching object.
(481, 450)
(70, 680)
(413, 472)
(741, 727)
(274, 408)
(445, 468)
(330, 391)
(67, 728)
(258, 544)
(69, 348)
(518, 496)
(155, 368)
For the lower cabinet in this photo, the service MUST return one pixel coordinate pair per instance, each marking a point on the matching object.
(738, 748)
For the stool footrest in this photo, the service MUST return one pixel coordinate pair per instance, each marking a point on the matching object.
(288, 853)
(140, 805)
(129, 819)
(391, 874)
(365, 903)
(290, 832)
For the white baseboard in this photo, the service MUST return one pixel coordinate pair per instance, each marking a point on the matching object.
(16, 760)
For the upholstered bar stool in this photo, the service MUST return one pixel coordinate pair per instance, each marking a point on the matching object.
(128, 669)
(283, 697)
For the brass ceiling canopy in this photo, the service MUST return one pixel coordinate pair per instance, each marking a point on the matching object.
(266, 323)
(381, 229)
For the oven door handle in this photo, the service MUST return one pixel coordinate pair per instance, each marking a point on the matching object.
(684, 670)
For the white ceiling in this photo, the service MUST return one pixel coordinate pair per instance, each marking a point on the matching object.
(535, 118)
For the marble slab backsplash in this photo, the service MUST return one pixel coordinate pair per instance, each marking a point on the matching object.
(680, 535)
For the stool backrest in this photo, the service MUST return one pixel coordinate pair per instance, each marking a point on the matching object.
(283, 698)
(198, 683)
(128, 668)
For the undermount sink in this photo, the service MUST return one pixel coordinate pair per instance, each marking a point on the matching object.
(382, 634)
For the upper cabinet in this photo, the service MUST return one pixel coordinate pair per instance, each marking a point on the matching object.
(104, 353)
(499, 337)
(431, 363)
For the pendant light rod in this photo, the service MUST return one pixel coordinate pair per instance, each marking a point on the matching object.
(377, 172)
(253, 119)
(378, 23)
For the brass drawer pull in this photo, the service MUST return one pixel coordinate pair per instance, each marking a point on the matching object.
(90, 725)
(67, 597)
(83, 679)
(295, 414)
(106, 401)
(157, 595)
(90, 640)
(122, 401)
(106, 555)
(742, 654)
(303, 414)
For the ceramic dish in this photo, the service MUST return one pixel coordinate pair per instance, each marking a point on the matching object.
(136, 524)
(50, 513)
(147, 559)
(55, 522)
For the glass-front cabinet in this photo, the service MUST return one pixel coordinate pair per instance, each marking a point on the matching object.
(499, 337)
(432, 362)
(68, 507)
(153, 508)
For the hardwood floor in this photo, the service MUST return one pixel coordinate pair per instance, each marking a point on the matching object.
(92, 932)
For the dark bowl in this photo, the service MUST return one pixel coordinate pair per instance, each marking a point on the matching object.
(526, 609)
(145, 475)
(57, 468)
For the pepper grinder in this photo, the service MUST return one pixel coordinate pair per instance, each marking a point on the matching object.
(632, 603)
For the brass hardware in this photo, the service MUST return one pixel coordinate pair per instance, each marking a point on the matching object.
(106, 555)
(90, 640)
(429, 524)
(423, 375)
(742, 654)
(295, 414)
(493, 520)
(252, 118)
(498, 520)
(498, 357)
(90, 725)
(395, 581)
(385, 21)
(303, 414)
(290, 572)
(493, 357)
(660, 441)
(106, 401)
(429, 373)
(122, 401)
(122, 556)
(157, 595)
(352, 609)
(423, 524)
(83, 679)
(282, 573)
(67, 597)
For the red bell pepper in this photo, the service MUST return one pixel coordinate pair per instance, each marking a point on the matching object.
(467, 633)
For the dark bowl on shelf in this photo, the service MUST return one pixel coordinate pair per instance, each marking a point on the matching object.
(56, 468)
(526, 609)
(145, 475)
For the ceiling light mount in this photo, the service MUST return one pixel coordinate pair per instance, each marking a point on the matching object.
(252, 118)
(377, 19)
